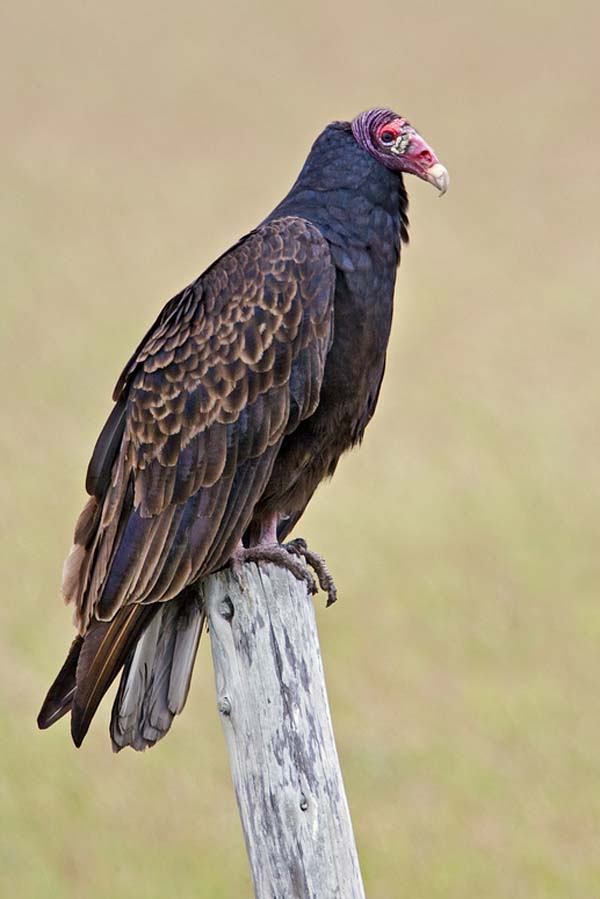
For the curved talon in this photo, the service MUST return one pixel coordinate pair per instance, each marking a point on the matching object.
(279, 555)
(298, 545)
(318, 564)
(289, 555)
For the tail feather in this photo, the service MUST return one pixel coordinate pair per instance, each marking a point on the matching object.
(106, 647)
(156, 679)
(59, 698)
(156, 644)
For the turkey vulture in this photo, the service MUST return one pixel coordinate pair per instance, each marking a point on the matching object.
(239, 400)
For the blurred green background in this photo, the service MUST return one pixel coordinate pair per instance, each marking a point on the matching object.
(463, 660)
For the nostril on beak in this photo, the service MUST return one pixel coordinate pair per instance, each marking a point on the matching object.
(425, 158)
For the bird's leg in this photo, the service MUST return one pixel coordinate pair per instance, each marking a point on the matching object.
(268, 549)
(318, 565)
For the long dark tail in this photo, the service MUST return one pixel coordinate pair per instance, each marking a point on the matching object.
(156, 679)
(60, 695)
(156, 645)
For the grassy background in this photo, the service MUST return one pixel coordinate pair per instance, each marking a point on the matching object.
(463, 660)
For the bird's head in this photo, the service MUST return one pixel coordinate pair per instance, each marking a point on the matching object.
(396, 145)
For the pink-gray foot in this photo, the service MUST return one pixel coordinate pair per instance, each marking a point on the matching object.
(279, 555)
(318, 565)
(295, 556)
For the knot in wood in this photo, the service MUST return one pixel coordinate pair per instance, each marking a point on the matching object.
(226, 609)
(224, 705)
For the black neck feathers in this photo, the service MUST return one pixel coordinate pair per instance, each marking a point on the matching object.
(347, 193)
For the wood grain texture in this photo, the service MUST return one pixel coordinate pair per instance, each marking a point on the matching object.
(273, 704)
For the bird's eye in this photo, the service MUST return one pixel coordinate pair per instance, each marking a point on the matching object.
(387, 137)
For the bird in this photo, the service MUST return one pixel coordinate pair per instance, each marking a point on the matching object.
(239, 400)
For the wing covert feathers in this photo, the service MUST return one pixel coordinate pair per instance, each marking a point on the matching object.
(232, 364)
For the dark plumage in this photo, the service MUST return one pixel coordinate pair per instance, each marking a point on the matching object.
(239, 400)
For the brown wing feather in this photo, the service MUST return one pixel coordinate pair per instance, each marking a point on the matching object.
(230, 367)
(59, 698)
(103, 654)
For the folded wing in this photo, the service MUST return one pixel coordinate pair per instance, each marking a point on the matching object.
(231, 366)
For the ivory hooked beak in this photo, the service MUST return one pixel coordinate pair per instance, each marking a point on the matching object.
(439, 177)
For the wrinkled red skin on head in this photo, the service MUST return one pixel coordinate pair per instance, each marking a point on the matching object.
(420, 153)
(416, 159)
(418, 150)
(394, 126)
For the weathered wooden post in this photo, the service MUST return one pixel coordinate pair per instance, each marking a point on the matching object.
(273, 704)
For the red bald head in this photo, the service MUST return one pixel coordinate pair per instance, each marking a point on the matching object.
(395, 144)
